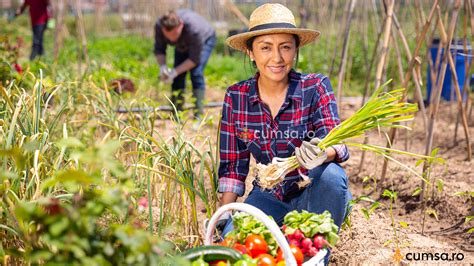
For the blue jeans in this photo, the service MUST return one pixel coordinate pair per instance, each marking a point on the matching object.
(197, 73)
(37, 47)
(329, 190)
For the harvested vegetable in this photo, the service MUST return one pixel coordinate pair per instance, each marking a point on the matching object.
(383, 109)
(246, 225)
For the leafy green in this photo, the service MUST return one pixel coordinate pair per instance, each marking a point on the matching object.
(245, 224)
(311, 224)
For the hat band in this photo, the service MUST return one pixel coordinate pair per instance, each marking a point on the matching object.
(272, 26)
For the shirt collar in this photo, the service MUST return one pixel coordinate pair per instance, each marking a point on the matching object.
(294, 89)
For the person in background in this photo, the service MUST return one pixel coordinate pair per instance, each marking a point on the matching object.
(39, 14)
(194, 39)
(277, 113)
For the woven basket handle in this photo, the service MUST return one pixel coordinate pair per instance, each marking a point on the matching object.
(270, 224)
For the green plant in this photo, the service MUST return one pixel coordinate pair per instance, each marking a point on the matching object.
(429, 163)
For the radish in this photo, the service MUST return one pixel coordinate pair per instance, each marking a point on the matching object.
(295, 242)
(306, 243)
(319, 241)
(304, 251)
(298, 234)
(312, 251)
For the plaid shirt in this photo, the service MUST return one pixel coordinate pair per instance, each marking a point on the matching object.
(247, 127)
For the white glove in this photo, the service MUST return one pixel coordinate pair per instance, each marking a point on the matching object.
(164, 72)
(309, 155)
(171, 74)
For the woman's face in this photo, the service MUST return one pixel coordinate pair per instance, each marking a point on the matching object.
(274, 55)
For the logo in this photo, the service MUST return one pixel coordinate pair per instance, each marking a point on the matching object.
(397, 257)
(245, 135)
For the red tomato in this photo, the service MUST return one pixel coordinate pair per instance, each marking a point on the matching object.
(265, 260)
(256, 244)
(297, 254)
(280, 255)
(241, 248)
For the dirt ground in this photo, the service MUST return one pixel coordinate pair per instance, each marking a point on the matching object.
(372, 241)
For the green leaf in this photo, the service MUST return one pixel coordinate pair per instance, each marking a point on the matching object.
(440, 185)
(468, 219)
(470, 230)
(374, 206)
(59, 226)
(365, 179)
(418, 162)
(417, 191)
(432, 212)
(388, 242)
(434, 152)
(460, 193)
(404, 224)
(365, 212)
(70, 142)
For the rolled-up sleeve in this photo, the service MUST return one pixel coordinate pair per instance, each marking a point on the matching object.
(326, 117)
(233, 154)
(160, 43)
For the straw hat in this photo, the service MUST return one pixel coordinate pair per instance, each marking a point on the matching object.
(269, 19)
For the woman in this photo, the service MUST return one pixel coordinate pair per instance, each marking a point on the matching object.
(277, 113)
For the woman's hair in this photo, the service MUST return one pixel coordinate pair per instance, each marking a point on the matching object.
(170, 20)
(249, 44)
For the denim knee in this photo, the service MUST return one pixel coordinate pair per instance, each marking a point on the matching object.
(330, 175)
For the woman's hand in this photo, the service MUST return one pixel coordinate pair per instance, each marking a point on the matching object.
(228, 197)
(310, 156)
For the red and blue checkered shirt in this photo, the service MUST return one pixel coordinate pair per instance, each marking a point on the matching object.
(247, 127)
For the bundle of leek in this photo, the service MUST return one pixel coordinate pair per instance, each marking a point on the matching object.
(383, 109)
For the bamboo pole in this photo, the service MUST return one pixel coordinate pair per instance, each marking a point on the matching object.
(82, 42)
(342, 66)
(467, 65)
(429, 144)
(365, 36)
(372, 61)
(380, 66)
(236, 11)
(416, 77)
(457, 90)
(58, 31)
(420, 41)
(340, 32)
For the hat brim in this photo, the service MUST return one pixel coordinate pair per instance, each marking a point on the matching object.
(238, 41)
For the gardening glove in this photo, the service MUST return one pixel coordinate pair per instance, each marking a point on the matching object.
(171, 75)
(309, 155)
(164, 72)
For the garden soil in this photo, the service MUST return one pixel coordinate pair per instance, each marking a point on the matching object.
(374, 240)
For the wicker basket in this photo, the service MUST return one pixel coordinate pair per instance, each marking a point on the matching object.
(270, 224)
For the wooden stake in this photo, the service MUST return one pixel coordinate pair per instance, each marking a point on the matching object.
(410, 69)
(457, 90)
(58, 31)
(380, 66)
(342, 66)
(416, 77)
(429, 144)
(339, 34)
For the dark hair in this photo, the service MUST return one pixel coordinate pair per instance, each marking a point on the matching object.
(249, 44)
(170, 20)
